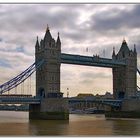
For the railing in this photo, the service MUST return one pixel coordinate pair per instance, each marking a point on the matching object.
(115, 103)
(20, 100)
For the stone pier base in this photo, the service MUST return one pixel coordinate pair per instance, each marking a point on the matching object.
(130, 109)
(49, 115)
(50, 109)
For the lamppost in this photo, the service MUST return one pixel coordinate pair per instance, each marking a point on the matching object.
(67, 92)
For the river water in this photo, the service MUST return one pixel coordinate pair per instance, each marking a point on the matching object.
(18, 124)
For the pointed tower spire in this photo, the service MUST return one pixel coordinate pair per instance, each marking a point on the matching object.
(47, 28)
(58, 39)
(135, 49)
(113, 50)
(124, 48)
(37, 44)
(113, 54)
(47, 36)
(124, 41)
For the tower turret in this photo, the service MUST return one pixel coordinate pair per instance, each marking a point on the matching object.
(37, 49)
(37, 45)
(113, 54)
(47, 37)
(135, 49)
(58, 39)
(58, 42)
(124, 50)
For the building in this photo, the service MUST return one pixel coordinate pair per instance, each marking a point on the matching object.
(48, 76)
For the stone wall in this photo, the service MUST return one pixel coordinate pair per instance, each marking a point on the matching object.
(50, 109)
(54, 105)
(131, 105)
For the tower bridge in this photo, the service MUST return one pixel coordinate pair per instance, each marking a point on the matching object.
(50, 103)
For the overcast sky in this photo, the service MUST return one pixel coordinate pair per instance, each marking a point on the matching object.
(97, 27)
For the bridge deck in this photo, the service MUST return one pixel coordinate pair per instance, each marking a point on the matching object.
(35, 100)
(19, 100)
(90, 61)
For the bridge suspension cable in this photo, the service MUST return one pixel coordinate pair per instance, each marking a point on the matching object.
(138, 88)
(138, 71)
(20, 78)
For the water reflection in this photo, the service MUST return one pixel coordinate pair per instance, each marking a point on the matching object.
(125, 127)
(89, 125)
(48, 127)
(18, 124)
(78, 125)
(14, 123)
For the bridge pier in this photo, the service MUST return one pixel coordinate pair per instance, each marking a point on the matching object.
(130, 109)
(125, 84)
(50, 109)
(53, 105)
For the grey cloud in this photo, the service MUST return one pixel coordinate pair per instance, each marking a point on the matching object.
(122, 20)
(27, 20)
(87, 81)
(28, 17)
(66, 75)
(92, 75)
(89, 77)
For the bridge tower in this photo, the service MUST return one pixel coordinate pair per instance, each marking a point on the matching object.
(124, 77)
(48, 76)
(53, 105)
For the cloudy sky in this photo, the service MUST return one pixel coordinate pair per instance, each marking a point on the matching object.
(97, 27)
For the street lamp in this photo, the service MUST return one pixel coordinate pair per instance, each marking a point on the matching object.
(67, 92)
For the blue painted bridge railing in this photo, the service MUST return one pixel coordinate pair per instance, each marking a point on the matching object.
(20, 100)
(37, 100)
(109, 102)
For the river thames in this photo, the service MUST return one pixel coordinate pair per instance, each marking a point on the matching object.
(18, 124)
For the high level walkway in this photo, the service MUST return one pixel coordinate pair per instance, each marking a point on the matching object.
(90, 61)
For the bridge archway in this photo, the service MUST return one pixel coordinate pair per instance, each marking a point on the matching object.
(41, 92)
(121, 95)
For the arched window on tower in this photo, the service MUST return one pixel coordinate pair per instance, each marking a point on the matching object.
(123, 54)
(50, 44)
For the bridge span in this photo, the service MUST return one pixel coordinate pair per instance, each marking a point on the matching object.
(91, 61)
(20, 100)
(72, 101)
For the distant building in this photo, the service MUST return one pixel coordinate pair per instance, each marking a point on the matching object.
(87, 103)
(108, 95)
(83, 95)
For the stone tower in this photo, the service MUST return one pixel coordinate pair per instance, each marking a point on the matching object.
(48, 76)
(53, 105)
(124, 77)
